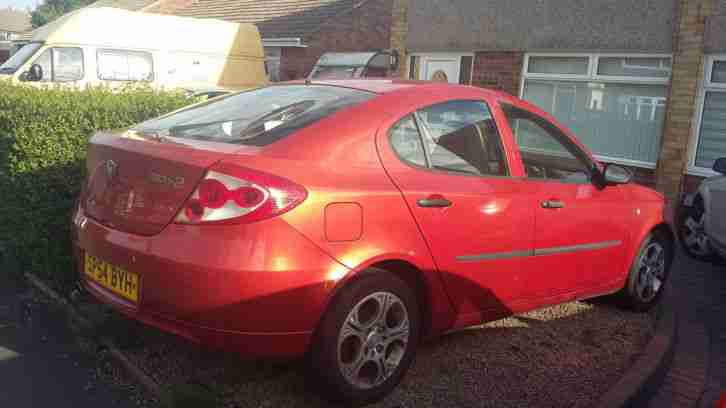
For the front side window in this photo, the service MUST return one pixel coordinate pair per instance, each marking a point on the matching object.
(124, 65)
(258, 117)
(457, 137)
(45, 62)
(60, 64)
(546, 152)
(712, 128)
(615, 104)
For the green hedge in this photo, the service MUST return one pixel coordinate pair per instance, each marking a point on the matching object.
(43, 137)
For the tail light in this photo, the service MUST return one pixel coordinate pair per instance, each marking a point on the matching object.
(230, 194)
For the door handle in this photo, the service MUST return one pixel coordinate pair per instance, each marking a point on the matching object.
(552, 204)
(434, 201)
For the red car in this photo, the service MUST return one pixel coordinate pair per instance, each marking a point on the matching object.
(347, 220)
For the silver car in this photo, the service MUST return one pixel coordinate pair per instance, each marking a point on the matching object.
(702, 218)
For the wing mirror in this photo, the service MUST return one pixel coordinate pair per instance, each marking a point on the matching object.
(35, 73)
(719, 166)
(615, 174)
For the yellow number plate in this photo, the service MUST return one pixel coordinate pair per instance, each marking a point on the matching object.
(114, 278)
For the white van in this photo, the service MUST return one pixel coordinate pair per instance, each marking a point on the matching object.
(103, 45)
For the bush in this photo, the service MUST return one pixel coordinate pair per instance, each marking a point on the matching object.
(43, 137)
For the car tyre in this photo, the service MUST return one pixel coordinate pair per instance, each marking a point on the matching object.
(691, 235)
(648, 274)
(366, 341)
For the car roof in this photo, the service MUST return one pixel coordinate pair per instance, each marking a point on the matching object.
(385, 86)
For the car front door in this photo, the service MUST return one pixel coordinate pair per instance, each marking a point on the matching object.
(716, 211)
(449, 163)
(580, 229)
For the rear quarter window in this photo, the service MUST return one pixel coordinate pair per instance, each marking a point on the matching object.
(258, 117)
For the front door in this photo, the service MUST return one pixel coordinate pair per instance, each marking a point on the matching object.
(441, 68)
(580, 229)
(448, 162)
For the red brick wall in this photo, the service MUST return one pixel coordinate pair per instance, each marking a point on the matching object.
(366, 28)
(501, 70)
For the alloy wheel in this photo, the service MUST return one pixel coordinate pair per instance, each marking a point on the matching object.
(694, 234)
(651, 272)
(373, 340)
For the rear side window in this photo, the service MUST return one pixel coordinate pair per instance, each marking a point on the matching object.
(456, 136)
(124, 65)
(406, 141)
(258, 117)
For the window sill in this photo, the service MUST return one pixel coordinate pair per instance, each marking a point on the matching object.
(701, 172)
(626, 162)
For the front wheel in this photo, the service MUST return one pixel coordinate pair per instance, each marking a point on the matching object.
(649, 272)
(367, 340)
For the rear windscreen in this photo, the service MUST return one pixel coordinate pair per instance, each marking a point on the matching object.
(258, 117)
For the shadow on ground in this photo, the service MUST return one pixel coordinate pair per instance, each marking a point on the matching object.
(40, 362)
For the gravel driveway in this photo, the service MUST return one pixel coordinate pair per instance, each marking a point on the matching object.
(563, 356)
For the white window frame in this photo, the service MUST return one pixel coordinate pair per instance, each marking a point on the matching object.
(435, 55)
(704, 86)
(593, 76)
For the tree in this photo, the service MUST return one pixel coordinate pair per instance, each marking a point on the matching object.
(49, 10)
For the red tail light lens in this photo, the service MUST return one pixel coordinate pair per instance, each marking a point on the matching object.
(232, 194)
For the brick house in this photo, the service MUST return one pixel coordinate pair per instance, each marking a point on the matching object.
(13, 23)
(296, 33)
(643, 84)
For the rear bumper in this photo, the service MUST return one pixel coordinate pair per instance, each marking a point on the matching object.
(270, 345)
(257, 289)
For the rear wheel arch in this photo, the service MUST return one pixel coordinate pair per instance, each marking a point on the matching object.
(416, 280)
(412, 275)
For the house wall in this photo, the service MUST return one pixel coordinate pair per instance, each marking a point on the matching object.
(499, 70)
(715, 36)
(366, 28)
(616, 25)
(687, 74)
(689, 29)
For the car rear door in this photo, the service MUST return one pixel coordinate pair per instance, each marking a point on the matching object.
(580, 229)
(450, 164)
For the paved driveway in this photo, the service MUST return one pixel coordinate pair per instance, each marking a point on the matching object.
(697, 375)
(40, 365)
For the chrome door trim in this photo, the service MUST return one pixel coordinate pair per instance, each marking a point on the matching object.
(493, 256)
(576, 248)
(539, 252)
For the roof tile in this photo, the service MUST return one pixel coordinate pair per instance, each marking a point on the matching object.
(16, 21)
(274, 18)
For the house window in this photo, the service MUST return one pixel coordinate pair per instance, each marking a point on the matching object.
(615, 104)
(125, 65)
(710, 141)
(272, 60)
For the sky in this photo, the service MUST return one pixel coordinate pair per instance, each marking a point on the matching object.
(19, 4)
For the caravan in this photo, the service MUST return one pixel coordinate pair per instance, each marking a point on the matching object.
(108, 46)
